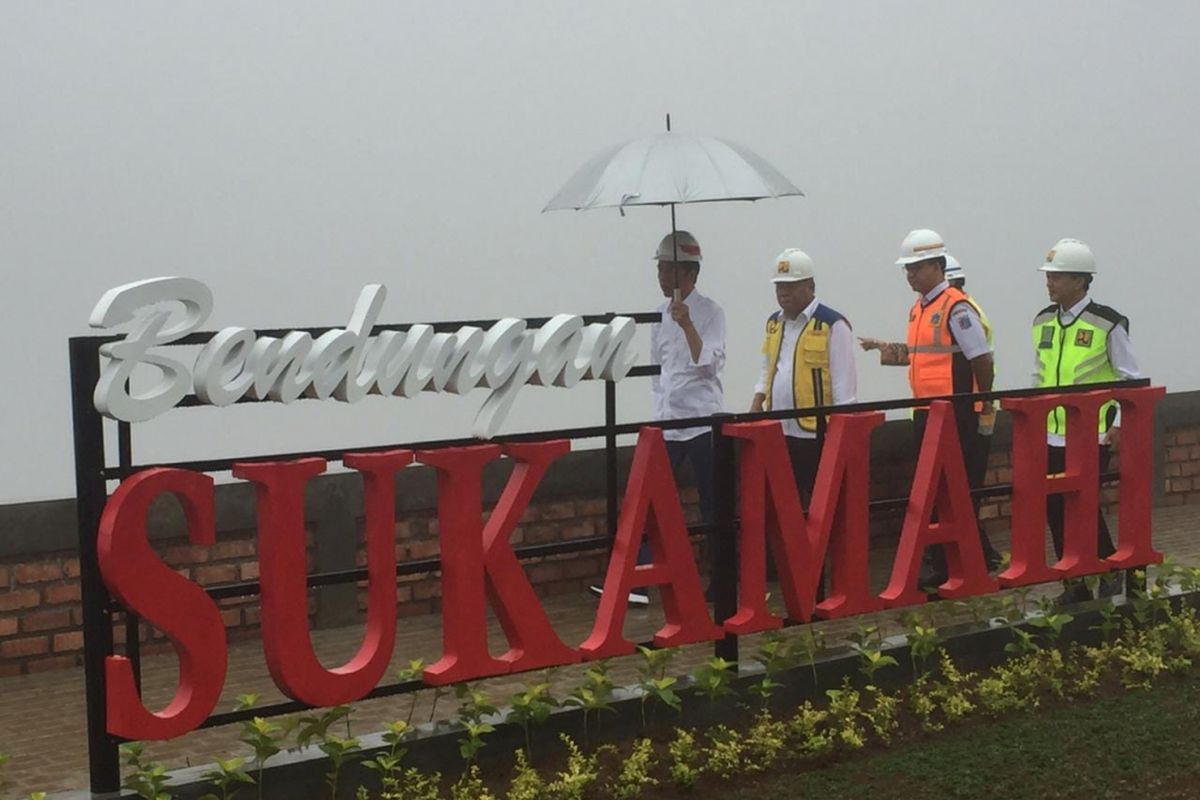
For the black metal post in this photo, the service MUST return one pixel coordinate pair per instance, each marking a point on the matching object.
(91, 494)
(724, 558)
(610, 452)
(133, 639)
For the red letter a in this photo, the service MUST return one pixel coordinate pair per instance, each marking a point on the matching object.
(940, 484)
(771, 511)
(651, 508)
(165, 599)
(473, 552)
(283, 575)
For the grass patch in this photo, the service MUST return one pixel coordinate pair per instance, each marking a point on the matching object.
(1134, 744)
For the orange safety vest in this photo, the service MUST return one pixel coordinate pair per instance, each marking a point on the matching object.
(931, 347)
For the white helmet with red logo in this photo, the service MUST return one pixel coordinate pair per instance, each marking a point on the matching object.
(681, 244)
(1070, 255)
(920, 245)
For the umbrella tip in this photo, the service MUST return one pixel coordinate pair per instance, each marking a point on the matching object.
(668, 122)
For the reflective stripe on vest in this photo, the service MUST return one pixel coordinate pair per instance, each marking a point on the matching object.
(1072, 354)
(931, 346)
(811, 382)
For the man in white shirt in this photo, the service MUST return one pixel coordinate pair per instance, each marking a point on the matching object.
(808, 360)
(688, 344)
(1079, 341)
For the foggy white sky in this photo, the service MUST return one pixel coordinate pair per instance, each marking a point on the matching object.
(287, 153)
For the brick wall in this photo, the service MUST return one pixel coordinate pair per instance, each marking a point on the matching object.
(1181, 470)
(40, 613)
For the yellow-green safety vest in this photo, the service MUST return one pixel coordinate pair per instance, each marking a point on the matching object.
(1076, 353)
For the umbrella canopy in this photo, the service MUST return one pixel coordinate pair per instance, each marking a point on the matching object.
(671, 168)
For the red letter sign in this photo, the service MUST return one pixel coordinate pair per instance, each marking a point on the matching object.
(1137, 471)
(283, 575)
(165, 599)
(651, 509)
(771, 510)
(472, 552)
(940, 483)
(1080, 483)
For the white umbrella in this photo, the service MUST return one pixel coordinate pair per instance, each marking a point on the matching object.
(670, 169)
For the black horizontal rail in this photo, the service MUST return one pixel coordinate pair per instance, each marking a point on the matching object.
(597, 431)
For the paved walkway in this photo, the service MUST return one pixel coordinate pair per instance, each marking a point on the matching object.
(42, 718)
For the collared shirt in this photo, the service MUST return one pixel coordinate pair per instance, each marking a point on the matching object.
(842, 374)
(1120, 355)
(686, 388)
(965, 325)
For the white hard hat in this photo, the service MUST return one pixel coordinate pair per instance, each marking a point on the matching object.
(792, 265)
(954, 270)
(1070, 255)
(920, 245)
(686, 245)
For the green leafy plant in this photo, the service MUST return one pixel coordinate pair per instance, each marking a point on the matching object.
(1051, 626)
(227, 778)
(775, 654)
(473, 706)
(338, 751)
(526, 783)
(808, 731)
(844, 716)
(264, 738)
(812, 644)
(656, 687)
(415, 785)
(315, 727)
(531, 706)
(146, 779)
(923, 642)
(580, 772)
(407, 674)
(872, 659)
(470, 786)
(682, 750)
(714, 678)
(724, 752)
(764, 742)
(592, 696)
(387, 765)
(635, 775)
(1023, 642)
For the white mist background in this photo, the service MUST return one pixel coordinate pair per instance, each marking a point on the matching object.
(287, 153)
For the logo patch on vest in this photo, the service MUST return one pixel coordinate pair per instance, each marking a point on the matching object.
(936, 319)
(1083, 338)
(1047, 341)
(772, 327)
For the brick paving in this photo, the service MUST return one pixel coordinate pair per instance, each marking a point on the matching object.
(42, 718)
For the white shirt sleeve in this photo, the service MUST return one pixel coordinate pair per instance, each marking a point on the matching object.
(712, 341)
(843, 374)
(761, 386)
(655, 358)
(968, 331)
(1120, 354)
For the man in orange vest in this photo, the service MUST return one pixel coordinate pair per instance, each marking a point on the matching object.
(947, 352)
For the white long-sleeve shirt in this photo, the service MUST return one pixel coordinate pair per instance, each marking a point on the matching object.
(1120, 355)
(686, 388)
(843, 376)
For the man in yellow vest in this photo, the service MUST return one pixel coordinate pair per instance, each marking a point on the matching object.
(1078, 341)
(808, 360)
(947, 352)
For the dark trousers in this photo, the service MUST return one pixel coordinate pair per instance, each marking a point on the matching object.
(698, 452)
(975, 450)
(1056, 461)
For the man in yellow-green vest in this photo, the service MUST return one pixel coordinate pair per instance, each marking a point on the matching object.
(808, 360)
(1078, 341)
